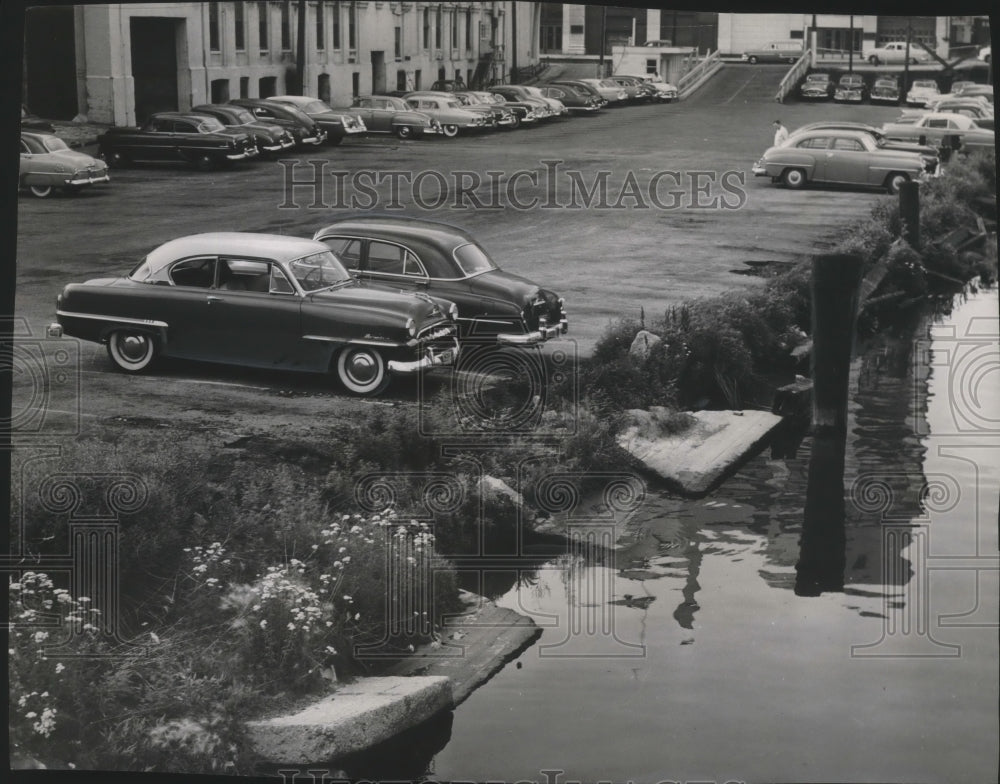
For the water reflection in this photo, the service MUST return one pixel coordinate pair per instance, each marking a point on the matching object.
(822, 557)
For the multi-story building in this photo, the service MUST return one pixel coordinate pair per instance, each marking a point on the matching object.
(119, 63)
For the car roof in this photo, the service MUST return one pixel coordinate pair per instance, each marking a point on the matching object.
(185, 115)
(233, 243)
(39, 136)
(434, 232)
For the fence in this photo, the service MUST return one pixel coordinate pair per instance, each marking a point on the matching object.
(795, 73)
(697, 72)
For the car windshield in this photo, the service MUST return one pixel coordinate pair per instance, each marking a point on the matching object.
(319, 271)
(210, 125)
(925, 84)
(244, 117)
(885, 83)
(473, 259)
(54, 144)
(817, 78)
(452, 104)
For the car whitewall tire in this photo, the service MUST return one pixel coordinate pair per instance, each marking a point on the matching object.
(132, 352)
(451, 131)
(362, 370)
(40, 191)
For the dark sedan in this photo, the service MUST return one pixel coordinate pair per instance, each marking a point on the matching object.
(303, 129)
(885, 90)
(267, 136)
(817, 87)
(259, 300)
(176, 137)
(337, 124)
(390, 114)
(404, 254)
(573, 99)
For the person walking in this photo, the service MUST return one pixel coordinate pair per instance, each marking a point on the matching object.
(780, 133)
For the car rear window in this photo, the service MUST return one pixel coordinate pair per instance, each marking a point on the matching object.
(472, 259)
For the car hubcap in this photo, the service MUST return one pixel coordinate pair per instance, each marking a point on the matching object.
(363, 368)
(133, 347)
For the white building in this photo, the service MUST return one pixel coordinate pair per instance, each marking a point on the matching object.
(134, 59)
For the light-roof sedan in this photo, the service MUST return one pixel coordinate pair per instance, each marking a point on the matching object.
(259, 300)
(841, 157)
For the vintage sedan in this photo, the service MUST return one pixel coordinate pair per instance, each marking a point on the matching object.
(390, 114)
(304, 130)
(196, 139)
(850, 89)
(897, 52)
(449, 112)
(842, 157)
(817, 87)
(980, 111)
(259, 300)
(885, 90)
(47, 165)
(525, 111)
(929, 153)
(573, 99)
(337, 124)
(492, 114)
(922, 92)
(608, 90)
(935, 127)
(504, 116)
(268, 138)
(665, 91)
(404, 254)
(527, 92)
(638, 90)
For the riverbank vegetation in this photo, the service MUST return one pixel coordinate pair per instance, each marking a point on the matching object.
(251, 574)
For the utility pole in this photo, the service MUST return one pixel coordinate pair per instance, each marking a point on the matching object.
(604, 39)
(513, 42)
(850, 48)
(300, 46)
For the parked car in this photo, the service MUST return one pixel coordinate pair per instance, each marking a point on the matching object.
(389, 114)
(573, 99)
(32, 122)
(986, 54)
(842, 157)
(449, 112)
(608, 90)
(922, 91)
(817, 86)
(665, 91)
(897, 52)
(958, 86)
(503, 116)
(267, 137)
(985, 90)
(980, 111)
(406, 254)
(259, 300)
(449, 86)
(525, 111)
(637, 90)
(934, 127)
(885, 90)
(527, 93)
(197, 139)
(305, 131)
(777, 52)
(851, 89)
(927, 152)
(580, 84)
(338, 125)
(47, 165)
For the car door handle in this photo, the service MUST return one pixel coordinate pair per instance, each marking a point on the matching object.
(211, 298)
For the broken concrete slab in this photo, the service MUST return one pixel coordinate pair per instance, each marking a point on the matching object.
(474, 646)
(697, 459)
(358, 715)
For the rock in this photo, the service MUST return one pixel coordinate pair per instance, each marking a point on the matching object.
(354, 718)
(491, 487)
(643, 345)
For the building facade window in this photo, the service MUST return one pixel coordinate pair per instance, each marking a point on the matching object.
(454, 29)
(262, 33)
(336, 26)
(267, 86)
(244, 87)
(400, 80)
(220, 90)
(240, 26)
(352, 26)
(398, 42)
(286, 27)
(427, 28)
(355, 84)
(416, 79)
(550, 38)
(323, 87)
(320, 26)
(213, 26)
(439, 22)
(468, 29)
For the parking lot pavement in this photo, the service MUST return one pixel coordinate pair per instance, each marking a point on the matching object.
(607, 259)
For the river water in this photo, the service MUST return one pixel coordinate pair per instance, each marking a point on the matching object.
(701, 653)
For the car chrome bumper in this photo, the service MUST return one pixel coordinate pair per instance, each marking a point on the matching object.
(86, 179)
(54, 330)
(539, 335)
(430, 360)
(315, 140)
(278, 147)
(239, 156)
(758, 170)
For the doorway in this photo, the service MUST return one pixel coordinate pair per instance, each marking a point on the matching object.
(378, 72)
(154, 65)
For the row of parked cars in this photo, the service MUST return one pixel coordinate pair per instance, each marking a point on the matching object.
(885, 88)
(217, 135)
(364, 300)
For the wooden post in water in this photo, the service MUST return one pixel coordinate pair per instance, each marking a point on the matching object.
(836, 281)
(909, 212)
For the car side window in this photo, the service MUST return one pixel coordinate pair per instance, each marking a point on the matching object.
(198, 273)
(244, 275)
(848, 144)
(816, 143)
(385, 258)
(279, 283)
(932, 123)
(345, 249)
(412, 266)
(25, 150)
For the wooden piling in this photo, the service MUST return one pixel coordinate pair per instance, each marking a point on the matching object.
(909, 212)
(836, 282)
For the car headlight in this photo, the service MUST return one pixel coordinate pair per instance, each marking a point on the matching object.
(411, 327)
